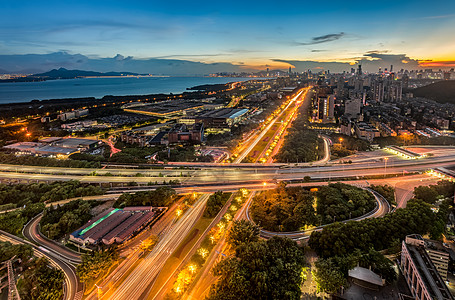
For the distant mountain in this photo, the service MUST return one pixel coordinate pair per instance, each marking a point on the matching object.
(63, 73)
(24, 63)
(441, 91)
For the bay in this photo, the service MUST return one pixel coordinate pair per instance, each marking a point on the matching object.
(14, 92)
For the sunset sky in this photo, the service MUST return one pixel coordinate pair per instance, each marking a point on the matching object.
(254, 34)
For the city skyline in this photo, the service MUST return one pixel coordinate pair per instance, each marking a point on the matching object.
(240, 36)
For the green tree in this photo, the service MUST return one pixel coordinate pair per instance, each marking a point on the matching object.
(242, 232)
(95, 263)
(426, 193)
(256, 271)
(328, 277)
(41, 282)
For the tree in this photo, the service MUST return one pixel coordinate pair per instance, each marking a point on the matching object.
(215, 202)
(426, 193)
(95, 263)
(41, 282)
(242, 232)
(328, 277)
(8, 250)
(257, 269)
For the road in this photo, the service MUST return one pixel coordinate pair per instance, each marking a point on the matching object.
(382, 208)
(223, 175)
(73, 288)
(260, 135)
(137, 282)
(163, 290)
(201, 286)
(32, 232)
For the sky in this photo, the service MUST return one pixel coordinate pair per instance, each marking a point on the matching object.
(247, 35)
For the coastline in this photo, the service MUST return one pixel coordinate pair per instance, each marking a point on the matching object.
(102, 87)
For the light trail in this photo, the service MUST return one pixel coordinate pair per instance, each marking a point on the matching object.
(144, 274)
(263, 132)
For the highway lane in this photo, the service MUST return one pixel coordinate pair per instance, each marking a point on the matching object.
(132, 253)
(278, 131)
(253, 177)
(162, 291)
(73, 289)
(32, 232)
(250, 147)
(141, 277)
(232, 175)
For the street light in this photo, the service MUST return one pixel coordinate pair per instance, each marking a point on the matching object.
(385, 165)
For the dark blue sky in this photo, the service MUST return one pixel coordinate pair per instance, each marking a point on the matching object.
(253, 33)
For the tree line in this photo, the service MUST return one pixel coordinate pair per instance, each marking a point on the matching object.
(294, 208)
(58, 221)
(162, 196)
(215, 203)
(38, 280)
(258, 269)
(29, 160)
(24, 194)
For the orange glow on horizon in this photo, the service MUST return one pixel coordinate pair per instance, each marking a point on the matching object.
(438, 63)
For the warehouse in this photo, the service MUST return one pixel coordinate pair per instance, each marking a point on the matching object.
(116, 225)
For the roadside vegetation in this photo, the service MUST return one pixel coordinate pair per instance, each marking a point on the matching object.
(344, 145)
(38, 280)
(29, 200)
(297, 208)
(215, 202)
(29, 160)
(386, 191)
(95, 264)
(301, 144)
(61, 220)
(161, 197)
(256, 267)
(14, 221)
(25, 194)
(341, 247)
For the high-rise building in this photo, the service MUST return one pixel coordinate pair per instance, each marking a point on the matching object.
(352, 107)
(358, 84)
(378, 90)
(326, 108)
(424, 264)
(405, 81)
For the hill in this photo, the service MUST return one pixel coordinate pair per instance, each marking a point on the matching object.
(441, 91)
(63, 73)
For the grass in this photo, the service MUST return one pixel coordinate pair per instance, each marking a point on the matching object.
(179, 254)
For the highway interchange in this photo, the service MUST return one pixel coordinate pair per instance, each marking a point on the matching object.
(133, 281)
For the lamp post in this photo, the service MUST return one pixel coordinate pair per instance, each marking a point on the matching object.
(385, 165)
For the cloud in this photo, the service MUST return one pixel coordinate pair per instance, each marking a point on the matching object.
(377, 51)
(322, 39)
(371, 61)
(318, 50)
(191, 55)
(37, 63)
